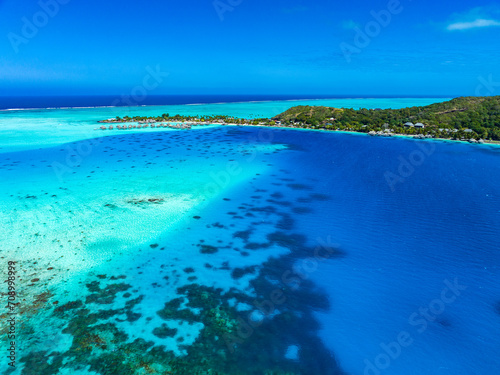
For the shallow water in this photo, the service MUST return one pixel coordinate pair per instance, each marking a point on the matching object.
(27, 129)
(253, 250)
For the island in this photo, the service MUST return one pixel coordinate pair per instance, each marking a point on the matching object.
(473, 119)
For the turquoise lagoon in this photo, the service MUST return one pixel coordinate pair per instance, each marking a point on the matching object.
(247, 250)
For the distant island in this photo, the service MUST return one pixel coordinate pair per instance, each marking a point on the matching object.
(474, 119)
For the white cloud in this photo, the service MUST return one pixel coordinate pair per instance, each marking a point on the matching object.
(473, 24)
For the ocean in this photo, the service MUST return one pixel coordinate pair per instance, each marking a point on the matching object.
(246, 250)
(72, 101)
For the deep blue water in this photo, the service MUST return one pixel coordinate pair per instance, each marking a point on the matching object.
(403, 242)
(10, 102)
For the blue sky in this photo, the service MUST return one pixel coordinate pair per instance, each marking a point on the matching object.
(360, 47)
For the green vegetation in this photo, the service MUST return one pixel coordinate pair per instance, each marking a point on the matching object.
(464, 118)
(197, 119)
(460, 118)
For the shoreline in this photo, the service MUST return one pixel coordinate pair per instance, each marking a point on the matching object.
(208, 124)
(416, 137)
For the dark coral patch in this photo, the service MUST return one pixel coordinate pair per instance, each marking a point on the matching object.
(238, 273)
(302, 210)
(280, 203)
(304, 200)
(208, 249)
(286, 222)
(164, 331)
(299, 187)
(293, 242)
(267, 209)
(106, 295)
(256, 245)
(118, 277)
(320, 197)
(68, 306)
(172, 310)
(244, 234)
